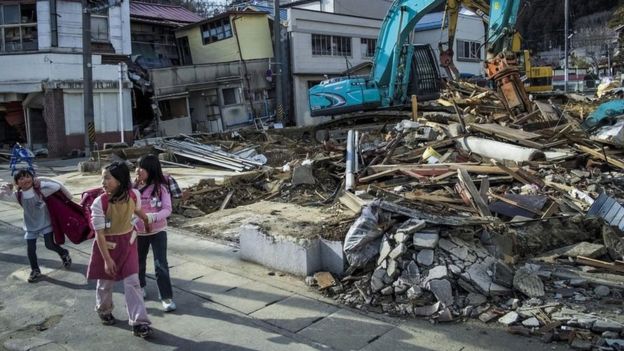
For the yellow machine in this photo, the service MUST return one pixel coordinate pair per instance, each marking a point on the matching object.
(536, 79)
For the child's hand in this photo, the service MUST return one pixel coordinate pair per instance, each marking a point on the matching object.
(7, 187)
(110, 267)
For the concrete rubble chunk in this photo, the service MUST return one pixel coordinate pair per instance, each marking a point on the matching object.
(503, 274)
(393, 270)
(531, 322)
(425, 257)
(442, 290)
(602, 291)
(528, 283)
(388, 290)
(401, 237)
(477, 276)
(384, 250)
(426, 311)
(412, 274)
(613, 242)
(474, 299)
(455, 270)
(412, 226)
(377, 279)
(509, 319)
(583, 248)
(414, 292)
(579, 344)
(603, 325)
(303, 175)
(614, 342)
(425, 240)
(398, 251)
(437, 272)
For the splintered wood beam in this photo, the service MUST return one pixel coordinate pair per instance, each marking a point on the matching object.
(467, 183)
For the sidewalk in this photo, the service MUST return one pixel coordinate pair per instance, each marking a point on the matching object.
(223, 304)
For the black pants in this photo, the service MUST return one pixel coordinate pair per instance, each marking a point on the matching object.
(31, 245)
(158, 242)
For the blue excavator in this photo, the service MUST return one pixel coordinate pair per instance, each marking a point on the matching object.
(401, 69)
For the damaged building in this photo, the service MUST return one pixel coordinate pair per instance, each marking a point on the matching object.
(225, 81)
(41, 100)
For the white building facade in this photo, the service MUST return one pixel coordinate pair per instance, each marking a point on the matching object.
(41, 74)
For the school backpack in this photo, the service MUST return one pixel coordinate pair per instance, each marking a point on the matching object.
(86, 201)
(67, 217)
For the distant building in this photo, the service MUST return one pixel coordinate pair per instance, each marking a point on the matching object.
(41, 101)
(224, 82)
(152, 28)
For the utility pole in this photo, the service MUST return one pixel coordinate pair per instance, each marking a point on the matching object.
(277, 34)
(565, 69)
(87, 79)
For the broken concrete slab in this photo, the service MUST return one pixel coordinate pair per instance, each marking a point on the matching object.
(509, 319)
(393, 270)
(604, 325)
(437, 272)
(303, 175)
(503, 274)
(474, 299)
(398, 251)
(477, 276)
(613, 242)
(425, 257)
(411, 274)
(531, 322)
(377, 279)
(583, 248)
(442, 290)
(384, 250)
(602, 291)
(425, 240)
(528, 283)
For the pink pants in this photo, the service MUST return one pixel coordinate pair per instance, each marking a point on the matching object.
(137, 314)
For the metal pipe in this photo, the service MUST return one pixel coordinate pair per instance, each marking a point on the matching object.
(121, 115)
(565, 69)
(349, 177)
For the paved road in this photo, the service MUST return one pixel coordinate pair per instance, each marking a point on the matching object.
(223, 304)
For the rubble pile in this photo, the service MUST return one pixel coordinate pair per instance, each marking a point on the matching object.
(472, 211)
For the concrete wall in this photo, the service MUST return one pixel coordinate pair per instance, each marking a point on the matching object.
(254, 35)
(373, 8)
(40, 67)
(69, 22)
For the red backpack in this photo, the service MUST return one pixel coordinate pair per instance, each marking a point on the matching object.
(86, 201)
(67, 217)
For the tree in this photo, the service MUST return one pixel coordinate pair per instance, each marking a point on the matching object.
(593, 40)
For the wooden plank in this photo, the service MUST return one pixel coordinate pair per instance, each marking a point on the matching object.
(470, 167)
(550, 210)
(511, 172)
(324, 280)
(505, 132)
(442, 176)
(484, 189)
(226, 201)
(516, 204)
(414, 108)
(600, 264)
(466, 181)
(377, 175)
(432, 198)
(597, 154)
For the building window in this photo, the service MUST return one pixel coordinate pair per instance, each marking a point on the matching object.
(185, 51)
(99, 25)
(217, 30)
(368, 47)
(468, 50)
(18, 27)
(331, 45)
(231, 96)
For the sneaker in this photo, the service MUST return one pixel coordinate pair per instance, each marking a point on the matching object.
(107, 319)
(168, 305)
(67, 261)
(34, 276)
(142, 331)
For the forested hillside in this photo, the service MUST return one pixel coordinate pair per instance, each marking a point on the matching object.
(541, 22)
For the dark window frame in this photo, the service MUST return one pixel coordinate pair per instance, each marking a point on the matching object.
(331, 45)
(468, 50)
(214, 31)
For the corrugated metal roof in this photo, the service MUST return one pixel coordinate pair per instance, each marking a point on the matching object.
(608, 209)
(172, 13)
